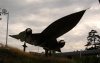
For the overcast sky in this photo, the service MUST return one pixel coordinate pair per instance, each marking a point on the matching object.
(38, 14)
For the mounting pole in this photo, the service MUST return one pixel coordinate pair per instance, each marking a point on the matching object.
(7, 28)
(24, 46)
(25, 43)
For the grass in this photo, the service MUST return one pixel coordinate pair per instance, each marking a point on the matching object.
(13, 55)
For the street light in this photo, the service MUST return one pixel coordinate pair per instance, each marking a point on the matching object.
(4, 11)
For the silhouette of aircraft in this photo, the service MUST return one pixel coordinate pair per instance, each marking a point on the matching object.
(48, 37)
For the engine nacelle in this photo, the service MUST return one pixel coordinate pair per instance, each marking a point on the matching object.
(28, 31)
(61, 43)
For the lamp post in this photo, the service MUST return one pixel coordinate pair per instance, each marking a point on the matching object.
(4, 11)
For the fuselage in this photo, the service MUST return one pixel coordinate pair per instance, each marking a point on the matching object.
(40, 40)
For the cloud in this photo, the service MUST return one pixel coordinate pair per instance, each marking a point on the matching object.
(38, 14)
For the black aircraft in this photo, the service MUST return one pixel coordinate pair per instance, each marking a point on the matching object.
(48, 37)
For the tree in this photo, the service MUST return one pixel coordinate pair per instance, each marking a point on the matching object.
(93, 40)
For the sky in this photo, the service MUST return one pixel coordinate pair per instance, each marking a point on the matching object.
(38, 14)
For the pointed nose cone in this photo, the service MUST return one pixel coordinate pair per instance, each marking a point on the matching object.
(99, 1)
